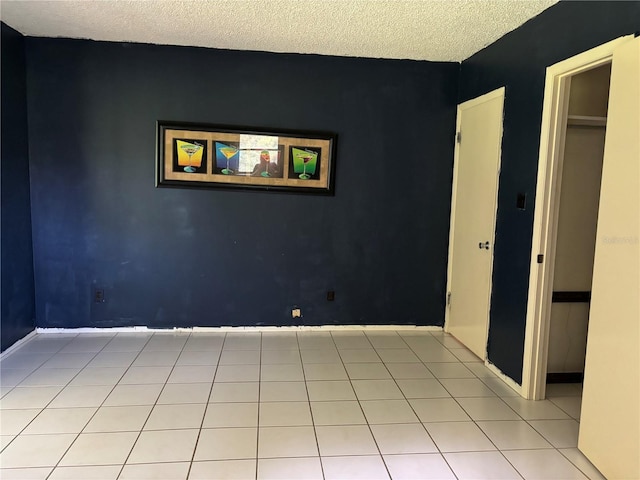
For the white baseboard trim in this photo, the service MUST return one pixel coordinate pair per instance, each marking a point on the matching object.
(507, 380)
(18, 344)
(291, 328)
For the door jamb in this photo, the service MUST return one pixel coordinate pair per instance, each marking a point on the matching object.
(554, 111)
(497, 93)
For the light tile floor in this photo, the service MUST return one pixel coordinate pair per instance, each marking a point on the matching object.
(369, 404)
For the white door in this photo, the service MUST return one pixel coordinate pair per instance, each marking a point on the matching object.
(610, 415)
(473, 218)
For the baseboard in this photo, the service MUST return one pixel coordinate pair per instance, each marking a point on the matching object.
(565, 377)
(18, 344)
(291, 328)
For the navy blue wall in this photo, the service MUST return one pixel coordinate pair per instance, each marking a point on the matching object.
(518, 61)
(178, 257)
(17, 293)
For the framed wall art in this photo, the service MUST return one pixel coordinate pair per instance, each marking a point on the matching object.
(213, 156)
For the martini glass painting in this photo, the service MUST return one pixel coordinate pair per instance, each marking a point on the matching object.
(190, 149)
(228, 152)
(304, 162)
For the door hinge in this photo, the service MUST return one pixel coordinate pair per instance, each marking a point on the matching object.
(540, 258)
(448, 298)
(459, 137)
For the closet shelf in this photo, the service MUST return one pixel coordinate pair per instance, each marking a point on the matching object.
(586, 121)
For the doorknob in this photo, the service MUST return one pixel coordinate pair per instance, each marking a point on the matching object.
(484, 245)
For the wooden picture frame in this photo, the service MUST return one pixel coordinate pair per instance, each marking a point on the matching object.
(214, 156)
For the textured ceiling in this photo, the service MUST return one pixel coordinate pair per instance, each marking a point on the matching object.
(437, 30)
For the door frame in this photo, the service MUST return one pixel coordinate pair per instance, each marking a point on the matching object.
(545, 222)
(497, 93)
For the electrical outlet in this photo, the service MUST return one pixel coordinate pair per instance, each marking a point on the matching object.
(295, 313)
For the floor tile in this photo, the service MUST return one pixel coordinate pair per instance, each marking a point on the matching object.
(240, 357)
(209, 357)
(330, 390)
(350, 341)
(29, 397)
(119, 419)
(181, 393)
(156, 359)
(466, 387)
(387, 342)
(362, 355)
(499, 387)
(4, 441)
(35, 450)
(145, 375)
(337, 413)
(449, 341)
(543, 465)
(227, 444)
(397, 355)
(13, 376)
(59, 420)
(123, 342)
(513, 435)
(279, 341)
(435, 355)
(559, 433)
(423, 388)
(159, 471)
(377, 390)
(133, 395)
(418, 467)
(465, 355)
(14, 421)
(487, 408)
(535, 410)
(281, 373)
(570, 405)
(307, 468)
(438, 410)
(278, 442)
(283, 392)
(235, 392)
(408, 370)
(367, 371)
(231, 415)
(403, 438)
(315, 341)
(323, 356)
(481, 466)
(168, 417)
(98, 376)
(164, 446)
(69, 360)
(223, 469)
(92, 343)
(388, 411)
(345, 440)
(24, 361)
(238, 373)
(114, 449)
(166, 342)
(81, 396)
(192, 374)
(112, 359)
(203, 341)
(450, 370)
(576, 457)
(92, 472)
(25, 473)
(564, 390)
(459, 437)
(370, 467)
(325, 371)
(281, 414)
(242, 341)
(279, 357)
(480, 370)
